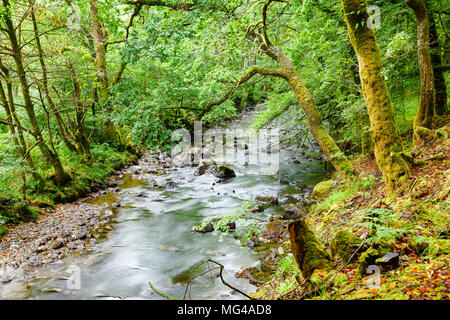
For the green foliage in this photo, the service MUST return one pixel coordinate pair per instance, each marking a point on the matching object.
(383, 225)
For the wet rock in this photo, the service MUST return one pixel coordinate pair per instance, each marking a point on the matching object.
(273, 230)
(224, 172)
(257, 208)
(135, 169)
(200, 228)
(205, 167)
(267, 200)
(301, 185)
(170, 185)
(291, 211)
(80, 235)
(117, 205)
(228, 227)
(254, 275)
(252, 243)
(111, 184)
(140, 195)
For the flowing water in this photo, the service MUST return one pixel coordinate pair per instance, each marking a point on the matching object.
(152, 239)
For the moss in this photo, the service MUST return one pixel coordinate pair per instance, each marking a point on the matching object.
(22, 211)
(366, 259)
(308, 252)
(341, 279)
(3, 230)
(322, 189)
(344, 244)
(42, 202)
(385, 133)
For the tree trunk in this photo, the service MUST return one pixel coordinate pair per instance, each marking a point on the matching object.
(307, 251)
(62, 127)
(60, 175)
(306, 101)
(387, 142)
(14, 124)
(425, 112)
(100, 51)
(82, 141)
(439, 79)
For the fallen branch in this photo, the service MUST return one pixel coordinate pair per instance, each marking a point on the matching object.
(221, 267)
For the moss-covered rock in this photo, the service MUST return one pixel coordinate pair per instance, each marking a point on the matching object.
(343, 245)
(322, 189)
(224, 172)
(308, 252)
(366, 259)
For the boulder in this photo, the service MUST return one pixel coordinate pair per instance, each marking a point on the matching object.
(344, 244)
(267, 200)
(256, 208)
(200, 228)
(273, 231)
(292, 211)
(322, 189)
(224, 172)
(205, 167)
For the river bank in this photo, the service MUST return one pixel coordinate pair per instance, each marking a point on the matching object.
(139, 229)
(375, 247)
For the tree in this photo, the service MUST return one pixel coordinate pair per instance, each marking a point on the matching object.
(388, 148)
(60, 175)
(426, 110)
(287, 72)
(438, 68)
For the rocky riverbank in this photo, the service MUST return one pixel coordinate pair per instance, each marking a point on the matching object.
(73, 228)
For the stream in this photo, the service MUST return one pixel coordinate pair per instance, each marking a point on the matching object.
(151, 237)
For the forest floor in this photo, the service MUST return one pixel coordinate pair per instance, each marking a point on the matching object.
(412, 228)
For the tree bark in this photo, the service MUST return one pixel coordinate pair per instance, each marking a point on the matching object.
(60, 175)
(426, 111)
(100, 50)
(306, 101)
(307, 250)
(62, 128)
(14, 124)
(388, 146)
(439, 79)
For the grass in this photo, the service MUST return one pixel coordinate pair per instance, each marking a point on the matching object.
(84, 177)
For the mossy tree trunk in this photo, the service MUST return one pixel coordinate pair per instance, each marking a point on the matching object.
(304, 98)
(61, 176)
(63, 129)
(386, 138)
(426, 110)
(307, 250)
(315, 124)
(436, 60)
(100, 51)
